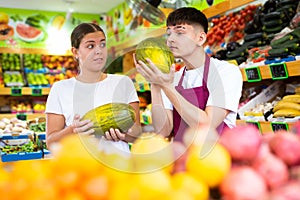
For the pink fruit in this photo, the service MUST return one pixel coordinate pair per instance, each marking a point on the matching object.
(242, 142)
(271, 168)
(243, 182)
(180, 155)
(286, 146)
(290, 191)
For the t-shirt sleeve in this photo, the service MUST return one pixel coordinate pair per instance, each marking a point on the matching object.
(225, 86)
(53, 104)
(166, 102)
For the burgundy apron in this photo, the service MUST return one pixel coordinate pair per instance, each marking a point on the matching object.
(197, 96)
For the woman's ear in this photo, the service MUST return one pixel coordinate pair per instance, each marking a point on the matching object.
(75, 53)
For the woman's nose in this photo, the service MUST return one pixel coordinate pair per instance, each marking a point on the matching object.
(98, 49)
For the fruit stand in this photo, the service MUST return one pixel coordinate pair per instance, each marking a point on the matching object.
(246, 162)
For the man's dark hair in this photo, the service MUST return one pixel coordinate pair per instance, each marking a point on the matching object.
(187, 15)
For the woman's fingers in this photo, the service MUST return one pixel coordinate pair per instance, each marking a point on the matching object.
(114, 134)
(82, 126)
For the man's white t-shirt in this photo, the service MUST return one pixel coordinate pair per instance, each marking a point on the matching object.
(69, 97)
(224, 84)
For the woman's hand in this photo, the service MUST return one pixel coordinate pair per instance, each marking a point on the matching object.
(152, 74)
(82, 127)
(115, 134)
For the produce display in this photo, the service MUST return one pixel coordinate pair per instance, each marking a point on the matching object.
(229, 28)
(10, 62)
(13, 78)
(20, 140)
(35, 69)
(157, 50)
(289, 106)
(111, 115)
(204, 166)
(260, 38)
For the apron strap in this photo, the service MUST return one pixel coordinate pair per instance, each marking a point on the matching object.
(205, 73)
(206, 69)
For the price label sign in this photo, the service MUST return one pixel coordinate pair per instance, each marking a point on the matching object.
(253, 74)
(255, 124)
(278, 71)
(36, 91)
(21, 116)
(16, 91)
(276, 126)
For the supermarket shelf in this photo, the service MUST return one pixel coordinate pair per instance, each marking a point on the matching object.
(30, 51)
(293, 69)
(29, 116)
(24, 91)
(224, 7)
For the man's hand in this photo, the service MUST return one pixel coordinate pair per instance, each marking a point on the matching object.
(152, 74)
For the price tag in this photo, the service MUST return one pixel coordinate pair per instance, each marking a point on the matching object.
(21, 116)
(255, 124)
(253, 74)
(16, 91)
(278, 71)
(36, 91)
(276, 126)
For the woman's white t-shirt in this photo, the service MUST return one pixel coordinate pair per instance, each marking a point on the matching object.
(224, 84)
(69, 97)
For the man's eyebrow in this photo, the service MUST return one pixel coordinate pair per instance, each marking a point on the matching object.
(179, 27)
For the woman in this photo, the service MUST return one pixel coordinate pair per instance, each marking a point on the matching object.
(70, 99)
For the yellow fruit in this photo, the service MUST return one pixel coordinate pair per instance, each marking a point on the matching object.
(286, 105)
(287, 112)
(152, 185)
(212, 167)
(157, 51)
(152, 152)
(58, 22)
(111, 115)
(292, 98)
(3, 18)
(188, 183)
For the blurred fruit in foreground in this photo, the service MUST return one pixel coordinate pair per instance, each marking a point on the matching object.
(286, 146)
(243, 182)
(242, 142)
(211, 167)
(189, 184)
(152, 152)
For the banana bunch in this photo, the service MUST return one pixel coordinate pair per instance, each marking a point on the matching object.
(289, 106)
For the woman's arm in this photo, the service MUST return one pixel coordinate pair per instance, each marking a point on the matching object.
(136, 129)
(56, 129)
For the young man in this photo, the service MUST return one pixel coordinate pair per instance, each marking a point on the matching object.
(206, 91)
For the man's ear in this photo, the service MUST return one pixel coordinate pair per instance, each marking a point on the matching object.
(201, 38)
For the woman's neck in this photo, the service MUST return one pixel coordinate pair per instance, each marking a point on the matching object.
(91, 77)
